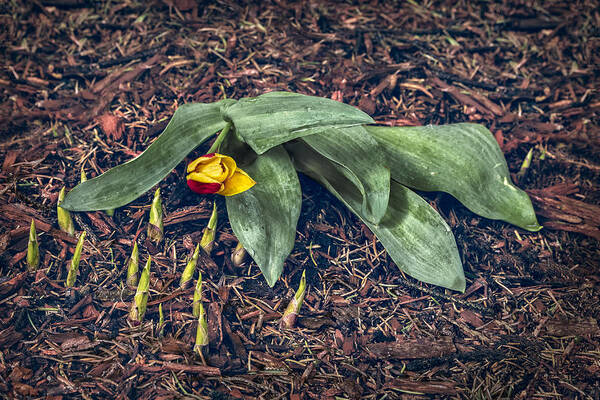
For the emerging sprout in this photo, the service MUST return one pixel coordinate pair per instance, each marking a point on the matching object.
(140, 300)
(208, 235)
(161, 320)
(132, 267)
(65, 222)
(238, 255)
(201, 331)
(83, 175)
(74, 267)
(198, 311)
(33, 251)
(293, 309)
(197, 303)
(155, 227)
(188, 272)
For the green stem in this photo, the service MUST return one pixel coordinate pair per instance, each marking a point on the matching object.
(217, 143)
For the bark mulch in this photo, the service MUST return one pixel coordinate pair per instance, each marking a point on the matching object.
(88, 85)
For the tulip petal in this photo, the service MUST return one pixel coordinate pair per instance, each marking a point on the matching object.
(204, 188)
(192, 166)
(238, 183)
(215, 169)
(201, 178)
(230, 165)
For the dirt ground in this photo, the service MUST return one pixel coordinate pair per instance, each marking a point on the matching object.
(89, 85)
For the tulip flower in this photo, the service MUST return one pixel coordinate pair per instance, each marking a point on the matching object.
(216, 173)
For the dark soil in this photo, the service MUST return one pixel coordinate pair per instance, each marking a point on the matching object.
(89, 85)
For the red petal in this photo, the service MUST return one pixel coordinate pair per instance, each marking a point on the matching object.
(209, 155)
(203, 188)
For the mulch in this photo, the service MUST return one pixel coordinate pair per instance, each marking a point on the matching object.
(87, 85)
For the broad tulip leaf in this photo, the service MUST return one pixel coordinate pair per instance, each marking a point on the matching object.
(278, 117)
(413, 233)
(359, 157)
(191, 125)
(463, 160)
(264, 218)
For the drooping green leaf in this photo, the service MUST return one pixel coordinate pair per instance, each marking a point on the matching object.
(264, 218)
(413, 233)
(463, 160)
(359, 157)
(191, 125)
(277, 117)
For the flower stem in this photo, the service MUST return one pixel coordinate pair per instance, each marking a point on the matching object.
(217, 143)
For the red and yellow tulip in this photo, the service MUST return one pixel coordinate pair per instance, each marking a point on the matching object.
(216, 173)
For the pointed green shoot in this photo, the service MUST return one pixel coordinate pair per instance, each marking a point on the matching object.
(140, 300)
(190, 268)
(201, 331)
(132, 267)
(208, 236)
(65, 222)
(238, 255)
(161, 320)
(197, 302)
(155, 227)
(74, 267)
(288, 320)
(33, 251)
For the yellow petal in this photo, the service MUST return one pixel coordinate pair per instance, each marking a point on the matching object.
(200, 177)
(214, 169)
(230, 165)
(200, 160)
(238, 183)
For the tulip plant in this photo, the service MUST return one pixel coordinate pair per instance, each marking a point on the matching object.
(371, 169)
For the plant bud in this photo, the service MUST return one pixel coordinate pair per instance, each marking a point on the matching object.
(161, 320)
(65, 222)
(208, 236)
(155, 227)
(197, 302)
(132, 267)
(74, 267)
(140, 300)
(190, 268)
(293, 309)
(201, 331)
(33, 251)
(238, 255)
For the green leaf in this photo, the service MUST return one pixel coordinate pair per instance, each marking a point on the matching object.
(413, 233)
(191, 125)
(264, 218)
(359, 157)
(278, 117)
(463, 160)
